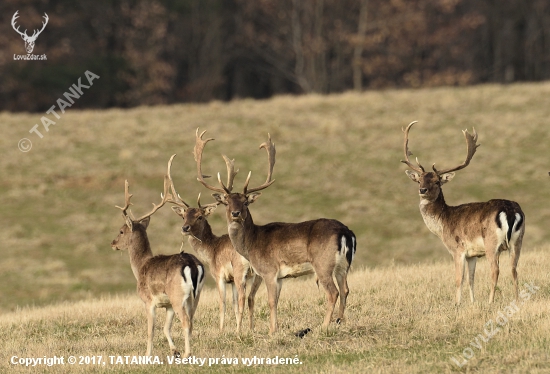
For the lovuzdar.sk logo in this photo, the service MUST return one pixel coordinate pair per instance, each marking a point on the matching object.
(29, 40)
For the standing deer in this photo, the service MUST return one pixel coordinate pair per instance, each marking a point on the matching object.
(226, 265)
(469, 230)
(284, 250)
(173, 282)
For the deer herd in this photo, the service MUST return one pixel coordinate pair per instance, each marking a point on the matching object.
(270, 253)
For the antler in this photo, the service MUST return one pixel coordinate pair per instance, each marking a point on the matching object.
(230, 164)
(15, 16)
(45, 16)
(471, 143)
(207, 205)
(175, 198)
(408, 153)
(127, 197)
(270, 148)
(24, 34)
(197, 152)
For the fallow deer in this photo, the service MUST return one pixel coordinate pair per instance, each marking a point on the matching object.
(471, 230)
(279, 250)
(173, 282)
(226, 265)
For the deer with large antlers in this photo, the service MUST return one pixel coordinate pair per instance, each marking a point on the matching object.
(173, 282)
(470, 230)
(29, 40)
(226, 265)
(283, 250)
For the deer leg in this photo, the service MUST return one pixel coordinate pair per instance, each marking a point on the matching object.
(332, 295)
(183, 309)
(515, 249)
(168, 328)
(150, 327)
(221, 291)
(471, 274)
(240, 285)
(273, 291)
(341, 278)
(257, 281)
(236, 305)
(194, 303)
(494, 274)
(460, 263)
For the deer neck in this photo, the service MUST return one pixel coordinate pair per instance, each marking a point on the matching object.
(242, 234)
(433, 213)
(205, 245)
(139, 251)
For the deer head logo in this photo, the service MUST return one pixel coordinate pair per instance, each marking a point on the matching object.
(29, 40)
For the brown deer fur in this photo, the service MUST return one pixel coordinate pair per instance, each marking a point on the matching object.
(471, 230)
(282, 250)
(173, 282)
(226, 265)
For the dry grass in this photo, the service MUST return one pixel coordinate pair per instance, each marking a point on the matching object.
(399, 319)
(338, 157)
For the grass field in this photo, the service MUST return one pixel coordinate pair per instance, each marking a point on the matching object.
(337, 157)
(400, 319)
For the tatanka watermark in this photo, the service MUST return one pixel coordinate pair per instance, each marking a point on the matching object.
(74, 92)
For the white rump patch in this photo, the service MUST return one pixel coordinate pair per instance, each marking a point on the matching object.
(515, 231)
(186, 284)
(502, 233)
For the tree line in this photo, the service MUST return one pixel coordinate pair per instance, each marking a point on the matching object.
(167, 51)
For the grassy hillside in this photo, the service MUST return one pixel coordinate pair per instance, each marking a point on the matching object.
(337, 157)
(400, 319)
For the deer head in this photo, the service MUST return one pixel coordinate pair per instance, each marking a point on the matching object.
(236, 203)
(124, 238)
(194, 219)
(29, 40)
(430, 182)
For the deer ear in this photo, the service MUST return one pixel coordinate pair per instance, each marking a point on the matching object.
(145, 222)
(129, 222)
(178, 210)
(447, 177)
(252, 197)
(209, 209)
(220, 198)
(413, 175)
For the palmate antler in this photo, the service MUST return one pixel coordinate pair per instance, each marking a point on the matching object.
(471, 143)
(197, 152)
(231, 172)
(270, 148)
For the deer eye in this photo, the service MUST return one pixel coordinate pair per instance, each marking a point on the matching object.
(246, 203)
(121, 232)
(200, 217)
